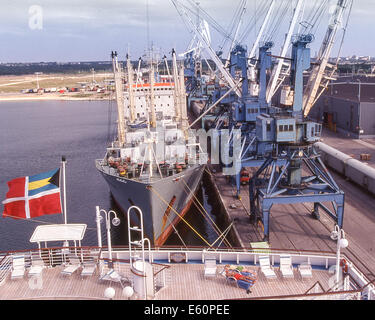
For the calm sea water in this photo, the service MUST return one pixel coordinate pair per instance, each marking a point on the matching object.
(33, 137)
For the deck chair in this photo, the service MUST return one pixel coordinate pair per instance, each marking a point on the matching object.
(37, 266)
(210, 268)
(113, 276)
(265, 267)
(18, 267)
(286, 267)
(74, 265)
(88, 267)
(305, 270)
(232, 281)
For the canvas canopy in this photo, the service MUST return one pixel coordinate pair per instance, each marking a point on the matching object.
(58, 232)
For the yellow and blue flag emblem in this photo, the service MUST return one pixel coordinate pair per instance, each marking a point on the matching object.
(44, 182)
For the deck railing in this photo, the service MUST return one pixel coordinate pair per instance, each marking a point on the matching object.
(335, 295)
(51, 256)
(5, 267)
(55, 255)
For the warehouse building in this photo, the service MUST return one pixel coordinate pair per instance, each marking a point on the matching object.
(348, 106)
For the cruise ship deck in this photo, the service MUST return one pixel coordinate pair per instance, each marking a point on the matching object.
(180, 275)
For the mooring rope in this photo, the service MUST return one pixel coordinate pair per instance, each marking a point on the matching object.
(206, 215)
(182, 218)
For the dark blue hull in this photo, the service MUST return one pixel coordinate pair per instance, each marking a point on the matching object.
(163, 201)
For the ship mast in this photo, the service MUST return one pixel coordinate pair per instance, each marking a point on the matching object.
(152, 97)
(131, 91)
(176, 86)
(183, 104)
(119, 98)
(179, 93)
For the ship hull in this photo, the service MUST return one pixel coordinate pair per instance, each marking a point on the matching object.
(163, 202)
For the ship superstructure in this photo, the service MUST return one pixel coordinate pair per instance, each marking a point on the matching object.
(155, 162)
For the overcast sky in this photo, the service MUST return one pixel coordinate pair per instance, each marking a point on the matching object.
(77, 30)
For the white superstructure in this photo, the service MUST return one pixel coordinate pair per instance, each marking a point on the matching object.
(163, 100)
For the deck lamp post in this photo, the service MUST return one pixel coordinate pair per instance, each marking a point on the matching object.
(109, 293)
(115, 222)
(128, 292)
(339, 235)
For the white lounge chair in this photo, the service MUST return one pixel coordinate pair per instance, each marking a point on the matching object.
(37, 266)
(286, 267)
(88, 268)
(74, 265)
(18, 267)
(113, 275)
(305, 270)
(265, 267)
(210, 268)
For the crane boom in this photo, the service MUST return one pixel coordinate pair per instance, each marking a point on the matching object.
(261, 31)
(204, 15)
(242, 12)
(272, 87)
(257, 40)
(318, 71)
(205, 41)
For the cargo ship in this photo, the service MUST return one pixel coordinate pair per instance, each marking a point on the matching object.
(154, 162)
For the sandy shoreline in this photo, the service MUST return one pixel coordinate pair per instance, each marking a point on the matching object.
(64, 97)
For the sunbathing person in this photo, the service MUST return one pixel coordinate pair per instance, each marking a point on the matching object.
(238, 276)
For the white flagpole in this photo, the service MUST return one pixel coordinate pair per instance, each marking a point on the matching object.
(63, 162)
(98, 228)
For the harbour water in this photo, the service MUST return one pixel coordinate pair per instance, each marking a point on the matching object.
(33, 137)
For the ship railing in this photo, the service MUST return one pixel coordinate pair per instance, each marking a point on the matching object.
(368, 291)
(161, 271)
(101, 165)
(5, 267)
(316, 288)
(351, 291)
(325, 260)
(240, 255)
(336, 295)
(247, 254)
(51, 257)
(55, 255)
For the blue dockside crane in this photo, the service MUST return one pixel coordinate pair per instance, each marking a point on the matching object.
(292, 171)
(279, 142)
